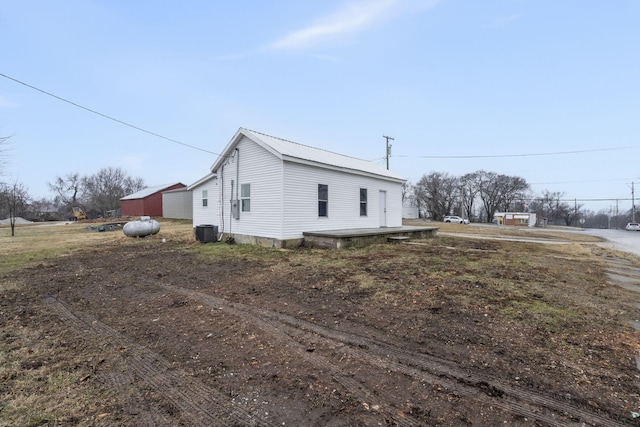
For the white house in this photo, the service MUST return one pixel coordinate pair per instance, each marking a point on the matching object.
(268, 190)
(205, 199)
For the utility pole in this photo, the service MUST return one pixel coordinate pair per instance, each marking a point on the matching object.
(633, 204)
(388, 148)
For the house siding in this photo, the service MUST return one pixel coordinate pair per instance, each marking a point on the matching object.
(263, 170)
(300, 189)
(209, 214)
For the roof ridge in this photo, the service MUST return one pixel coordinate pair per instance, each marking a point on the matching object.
(305, 145)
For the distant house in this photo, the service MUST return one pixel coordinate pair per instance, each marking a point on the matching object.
(267, 190)
(410, 212)
(524, 219)
(147, 201)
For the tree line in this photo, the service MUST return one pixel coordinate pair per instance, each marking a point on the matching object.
(479, 195)
(98, 195)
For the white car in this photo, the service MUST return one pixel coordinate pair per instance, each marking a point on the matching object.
(633, 226)
(455, 219)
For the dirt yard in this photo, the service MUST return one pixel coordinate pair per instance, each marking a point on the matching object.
(453, 332)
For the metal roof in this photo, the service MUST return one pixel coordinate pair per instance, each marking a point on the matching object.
(293, 151)
(148, 191)
(201, 181)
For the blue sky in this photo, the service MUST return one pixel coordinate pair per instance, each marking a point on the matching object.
(461, 85)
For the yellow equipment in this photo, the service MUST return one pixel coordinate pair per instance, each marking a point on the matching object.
(77, 213)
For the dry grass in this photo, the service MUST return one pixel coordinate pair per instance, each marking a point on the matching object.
(40, 384)
(47, 386)
(38, 242)
(567, 234)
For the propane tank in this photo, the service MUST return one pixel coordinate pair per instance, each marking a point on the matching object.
(145, 226)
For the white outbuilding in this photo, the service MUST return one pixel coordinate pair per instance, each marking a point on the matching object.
(267, 190)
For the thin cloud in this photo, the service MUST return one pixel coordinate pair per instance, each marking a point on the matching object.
(5, 103)
(350, 19)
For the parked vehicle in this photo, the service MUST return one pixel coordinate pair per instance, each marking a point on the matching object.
(633, 226)
(456, 219)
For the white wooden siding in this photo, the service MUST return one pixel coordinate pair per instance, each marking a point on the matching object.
(177, 204)
(300, 212)
(206, 214)
(263, 171)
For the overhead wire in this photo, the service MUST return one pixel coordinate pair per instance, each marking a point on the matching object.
(122, 122)
(485, 156)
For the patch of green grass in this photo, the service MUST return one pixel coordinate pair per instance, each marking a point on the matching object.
(550, 317)
(223, 251)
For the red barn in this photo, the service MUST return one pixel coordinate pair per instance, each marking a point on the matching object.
(147, 202)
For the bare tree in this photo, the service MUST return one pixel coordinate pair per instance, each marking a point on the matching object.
(437, 193)
(570, 215)
(514, 192)
(15, 198)
(407, 193)
(468, 193)
(551, 206)
(499, 191)
(68, 189)
(3, 150)
(105, 189)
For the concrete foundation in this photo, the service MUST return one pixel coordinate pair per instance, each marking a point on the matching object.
(360, 237)
(339, 239)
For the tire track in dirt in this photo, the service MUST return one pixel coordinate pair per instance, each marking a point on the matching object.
(274, 329)
(197, 404)
(431, 369)
(122, 382)
(480, 387)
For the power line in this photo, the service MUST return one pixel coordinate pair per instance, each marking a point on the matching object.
(581, 182)
(522, 155)
(107, 117)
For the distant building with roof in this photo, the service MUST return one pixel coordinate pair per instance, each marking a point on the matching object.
(523, 219)
(146, 202)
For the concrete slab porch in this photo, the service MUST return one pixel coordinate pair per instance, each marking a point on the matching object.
(360, 237)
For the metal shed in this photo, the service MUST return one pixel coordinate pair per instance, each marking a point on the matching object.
(147, 202)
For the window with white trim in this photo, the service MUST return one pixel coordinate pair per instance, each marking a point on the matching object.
(205, 198)
(245, 197)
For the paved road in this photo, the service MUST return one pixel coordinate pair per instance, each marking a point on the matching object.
(621, 240)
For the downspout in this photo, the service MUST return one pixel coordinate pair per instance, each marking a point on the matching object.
(221, 201)
(231, 209)
(237, 184)
(237, 178)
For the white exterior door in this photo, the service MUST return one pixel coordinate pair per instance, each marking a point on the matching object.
(382, 202)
